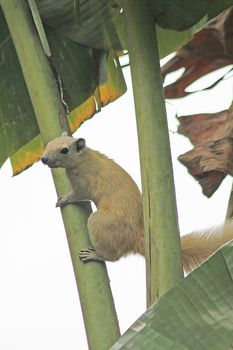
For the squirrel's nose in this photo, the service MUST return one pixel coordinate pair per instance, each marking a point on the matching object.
(44, 160)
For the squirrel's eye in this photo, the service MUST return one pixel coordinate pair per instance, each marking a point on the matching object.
(64, 150)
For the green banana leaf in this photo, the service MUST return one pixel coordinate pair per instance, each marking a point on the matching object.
(88, 79)
(84, 37)
(99, 23)
(196, 315)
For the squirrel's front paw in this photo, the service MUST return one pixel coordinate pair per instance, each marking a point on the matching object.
(62, 201)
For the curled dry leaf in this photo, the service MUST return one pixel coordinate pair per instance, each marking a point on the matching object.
(211, 134)
(210, 49)
(212, 157)
(206, 126)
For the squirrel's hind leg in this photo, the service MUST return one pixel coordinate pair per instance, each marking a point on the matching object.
(107, 234)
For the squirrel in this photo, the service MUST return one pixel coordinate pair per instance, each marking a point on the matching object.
(116, 228)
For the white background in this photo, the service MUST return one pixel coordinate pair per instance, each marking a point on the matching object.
(39, 304)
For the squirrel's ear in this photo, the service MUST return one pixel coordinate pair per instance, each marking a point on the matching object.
(64, 133)
(80, 144)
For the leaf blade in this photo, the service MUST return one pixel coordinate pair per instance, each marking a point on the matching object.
(197, 314)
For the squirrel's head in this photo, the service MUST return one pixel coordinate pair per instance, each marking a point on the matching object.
(62, 151)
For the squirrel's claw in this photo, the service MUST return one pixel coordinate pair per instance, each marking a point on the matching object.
(61, 202)
(89, 254)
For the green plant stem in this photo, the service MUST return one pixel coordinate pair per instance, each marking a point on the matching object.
(92, 279)
(162, 243)
(229, 214)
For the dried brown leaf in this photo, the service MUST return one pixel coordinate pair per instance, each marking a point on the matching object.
(204, 127)
(210, 49)
(212, 157)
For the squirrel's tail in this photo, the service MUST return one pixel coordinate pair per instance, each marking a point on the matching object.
(197, 246)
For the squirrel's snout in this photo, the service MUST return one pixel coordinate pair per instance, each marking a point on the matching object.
(44, 160)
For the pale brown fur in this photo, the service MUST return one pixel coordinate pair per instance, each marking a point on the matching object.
(199, 245)
(116, 228)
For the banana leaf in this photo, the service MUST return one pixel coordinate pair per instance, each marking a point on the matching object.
(198, 314)
(87, 78)
(83, 38)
